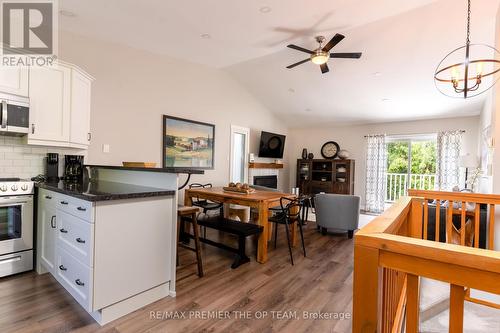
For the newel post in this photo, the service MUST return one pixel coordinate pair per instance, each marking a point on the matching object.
(366, 300)
(416, 216)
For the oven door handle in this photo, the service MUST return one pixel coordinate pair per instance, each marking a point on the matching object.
(16, 201)
(12, 259)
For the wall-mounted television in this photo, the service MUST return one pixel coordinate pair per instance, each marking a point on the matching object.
(271, 145)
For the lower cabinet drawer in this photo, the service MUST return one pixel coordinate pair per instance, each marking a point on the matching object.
(76, 237)
(75, 277)
(80, 208)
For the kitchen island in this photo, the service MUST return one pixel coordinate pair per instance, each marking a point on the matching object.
(110, 241)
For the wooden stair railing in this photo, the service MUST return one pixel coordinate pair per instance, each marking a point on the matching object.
(392, 253)
(462, 199)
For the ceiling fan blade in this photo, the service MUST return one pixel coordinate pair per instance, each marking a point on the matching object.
(334, 41)
(295, 47)
(324, 68)
(298, 63)
(353, 55)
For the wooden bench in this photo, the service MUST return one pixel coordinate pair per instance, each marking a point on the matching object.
(240, 229)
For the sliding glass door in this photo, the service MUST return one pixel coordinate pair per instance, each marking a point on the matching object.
(411, 163)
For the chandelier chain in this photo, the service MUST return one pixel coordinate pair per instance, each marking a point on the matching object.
(468, 22)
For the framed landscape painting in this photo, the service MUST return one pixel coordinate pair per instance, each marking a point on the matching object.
(188, 143)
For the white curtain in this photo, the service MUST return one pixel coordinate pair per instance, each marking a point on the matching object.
(449, 144)
(376, 171)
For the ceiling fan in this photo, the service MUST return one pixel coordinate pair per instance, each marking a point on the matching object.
(321, 55)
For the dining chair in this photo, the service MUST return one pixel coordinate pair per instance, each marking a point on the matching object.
(290, 213)
(206, 205)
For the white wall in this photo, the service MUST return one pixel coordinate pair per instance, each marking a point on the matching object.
(134, 88)
(352, 139)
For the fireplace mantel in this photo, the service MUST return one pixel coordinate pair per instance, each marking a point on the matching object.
(265, 166)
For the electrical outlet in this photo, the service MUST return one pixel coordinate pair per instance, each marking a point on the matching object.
(105, 148)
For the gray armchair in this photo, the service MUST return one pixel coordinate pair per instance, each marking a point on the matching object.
(337, 211)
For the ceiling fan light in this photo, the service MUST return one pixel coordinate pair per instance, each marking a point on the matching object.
(319, 58)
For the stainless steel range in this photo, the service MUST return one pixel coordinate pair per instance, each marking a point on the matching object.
(16, 226)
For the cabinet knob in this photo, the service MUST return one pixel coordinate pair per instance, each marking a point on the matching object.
(82, 209)
(89, 136)
(64, 202)
(48, 197)
(62, 268)
(53, 222)
(32, 128)
(64, 231)
(79, 240)
(79, 282)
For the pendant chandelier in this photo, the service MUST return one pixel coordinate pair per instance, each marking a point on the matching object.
(469, 70)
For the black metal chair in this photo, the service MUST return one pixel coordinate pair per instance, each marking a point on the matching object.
(290, 213)
(206, 205)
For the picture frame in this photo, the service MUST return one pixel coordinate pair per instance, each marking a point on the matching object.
(188, 144)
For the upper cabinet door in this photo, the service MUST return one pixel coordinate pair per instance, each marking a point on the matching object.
(14, 80)
(50, 103)
(80, 108)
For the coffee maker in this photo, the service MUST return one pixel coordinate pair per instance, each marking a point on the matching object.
(73, 168)
(52, 166)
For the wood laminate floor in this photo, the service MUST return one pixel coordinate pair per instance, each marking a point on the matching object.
(276, 292)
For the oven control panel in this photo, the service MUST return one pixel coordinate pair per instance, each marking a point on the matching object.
(16, 188)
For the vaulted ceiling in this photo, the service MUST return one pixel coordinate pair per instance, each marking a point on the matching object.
(402, 42)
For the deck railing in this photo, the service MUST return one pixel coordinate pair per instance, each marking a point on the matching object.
(392, 253)
(397, 184)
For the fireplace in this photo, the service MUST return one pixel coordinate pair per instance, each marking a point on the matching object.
(267, 181)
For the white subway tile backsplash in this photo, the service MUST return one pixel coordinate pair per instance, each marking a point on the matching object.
(22, 150)
(20, 160)
(42, 151)
(21, 163)
(13, 156)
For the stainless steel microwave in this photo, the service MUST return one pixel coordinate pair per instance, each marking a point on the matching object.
(14, 118)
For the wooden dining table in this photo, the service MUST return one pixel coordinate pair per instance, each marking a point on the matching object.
(260, 200)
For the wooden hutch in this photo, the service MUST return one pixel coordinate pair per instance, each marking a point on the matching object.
(322, 175)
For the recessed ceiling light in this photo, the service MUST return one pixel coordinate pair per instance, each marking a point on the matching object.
(385, 99)
(265, 9)
(377, 74)
(308, 110)
(205, 36)
(67, 13)
(291, 90)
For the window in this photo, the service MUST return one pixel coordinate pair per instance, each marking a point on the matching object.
(411, 163)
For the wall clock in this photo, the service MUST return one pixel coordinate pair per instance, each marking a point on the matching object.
(330, 149)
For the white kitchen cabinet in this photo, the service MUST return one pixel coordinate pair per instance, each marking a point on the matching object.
(47, 230)
(50, 105)
(14, 80)
(81, 85)
(75, 277)
(76, 237)
(95, 251)
(60, 99)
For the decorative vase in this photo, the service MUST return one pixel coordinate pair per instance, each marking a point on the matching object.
(304, 153)
(343, 154)
(310, 156)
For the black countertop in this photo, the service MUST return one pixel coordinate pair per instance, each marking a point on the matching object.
(164, 170)
(104, 190)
